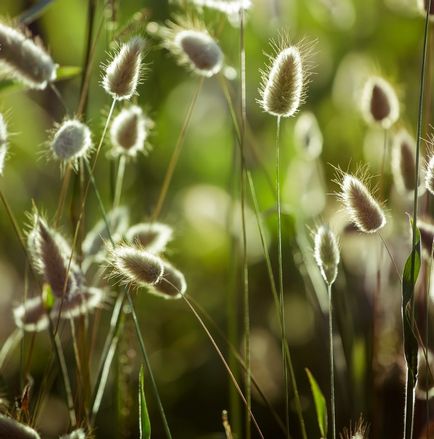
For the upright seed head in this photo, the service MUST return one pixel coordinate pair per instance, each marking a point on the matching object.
(31, 315)
(24, 59)
(152, 237)
(404, 162)
(12, 429)
(122, 75)
(379, 102)
(71, 140)
(365, 212)
(171, 285)
(129, 131)
(308, 136)
(326, 252)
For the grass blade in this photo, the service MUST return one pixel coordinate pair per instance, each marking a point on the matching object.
(320, 404)
(144, 421)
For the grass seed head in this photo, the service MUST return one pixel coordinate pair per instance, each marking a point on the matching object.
(12, 429)
(404, 162)
(31, 315)
(152, 237)
(429, 173)
(129, 131)
(3, 142)
(326, 252)
(228, 7)
(122, 75)
(426, 229)
(360, 430)
(76, 434)
(24, 59)
(380, 104)
(83, 301)
(308, 136)
(365, 212)
(423, 8)
(171, 285)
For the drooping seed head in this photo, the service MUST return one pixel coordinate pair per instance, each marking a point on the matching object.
(308, 136)
(24, 59)
(12, 429)
(122, 75)
(129, 132)
(31, 315)
(228, 7)
(83, 301)
(71, 140)
(171, 285)
(152, 237)
(136, 267)
(426, 229)
(365, 212)
(326, 252)
(404, 162)
(379, 102)
(429, 173)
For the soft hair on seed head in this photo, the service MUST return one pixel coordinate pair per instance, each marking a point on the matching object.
(171, 285)
(404, 162)
(81, 302)
(426, 229)
(24, 59)
(76, 434)
(12, 429)
(429, 168)
(152, 237)
(31, 315)
(3, 142)
(360, 430)
(326, 253)
(365, 212)
(307, 135)
(122, 75)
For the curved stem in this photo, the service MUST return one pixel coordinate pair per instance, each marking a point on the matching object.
(332, 372)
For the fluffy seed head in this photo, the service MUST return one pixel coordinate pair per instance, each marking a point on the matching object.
(403, 162)
(229, 7)
(171, 285)
(365, 212)
(429, 174)
(12, 429)
(76, 434)
(136, 267)
(129, 131)
(3, 142)
(360, 430)
(82, 301)
(425, 381)
(426, 229)
(152, 237)
(379, 102)
(326, 252)
(24, 59)
(71, 140)
(122, 75)
(31, 316)
(308, 136)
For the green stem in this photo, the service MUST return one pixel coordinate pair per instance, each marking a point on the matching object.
(119, 181)
(332, 371)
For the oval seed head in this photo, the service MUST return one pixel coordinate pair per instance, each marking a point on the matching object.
(71, 140)
(283, 82)
(365, 212)
(31, 316)
(12, 429)
(326, 252)
(81, 302)
(429, 174)
(25, 60)
(122, 75)
(308, 136)
(404, 162)
(379, 102)
(426, 229)
(136, 267)
(171, 285)
(152, 237)
(129, 131)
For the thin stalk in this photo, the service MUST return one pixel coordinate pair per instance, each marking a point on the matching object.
(175, 155)
(119, 181)
(427, 300)
(332, 371)
(10, 344)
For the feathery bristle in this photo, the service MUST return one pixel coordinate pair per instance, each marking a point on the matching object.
(365, 212)
(152, 237)
(31, 315)
(71, 140)
(426, 229)
(136, 267)
(326, 252)
(171, 285)
(379, 102)
(129, 131)
(12, 429)
(122, 75)
(360, 430)
(404, 162)
(25, 60)
(308, 136)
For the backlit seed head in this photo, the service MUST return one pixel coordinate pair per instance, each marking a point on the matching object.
(429, 173)
(326, 252)
(152, 237)
(3, 152)
(426, 229)
(171, 285)
(425, 381)
(24, 59)
(404, 161)
(307, 135)
(3, 142)
(360, 430)
(379, 102)
(12, 429)
(136, 267)
(83, 301)
(76, 434)
(285, 79)
(192, 46)
(129, 132)
(228, 7)
(31, 315)
(423, 8)
(71, 140)
(122, 75)
(365, 212)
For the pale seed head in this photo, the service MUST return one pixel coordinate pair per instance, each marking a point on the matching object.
(380, 104)
(308, 136)
(83, 301)
(76, 434)
(423, 8)
(122, 75)
(404, 162)
(3, 142)
(426, 229)
(152, 237)
(429, 174)
(171, 285)
(365, 212)
(24, 59)
(31, 316)
(12, 429)
(228, 7)
(326, 252)
(360, 430)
